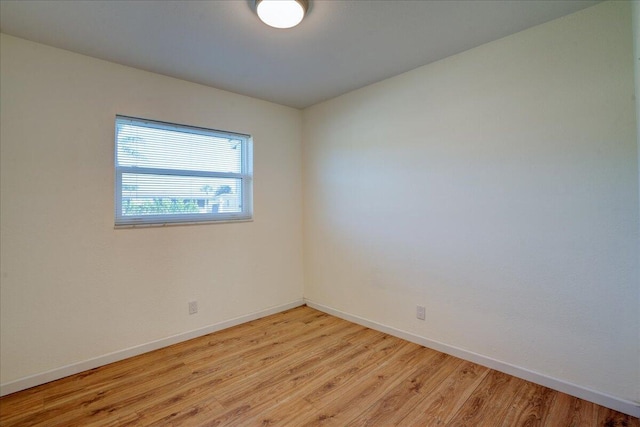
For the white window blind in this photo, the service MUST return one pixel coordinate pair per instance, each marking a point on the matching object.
(168, 173)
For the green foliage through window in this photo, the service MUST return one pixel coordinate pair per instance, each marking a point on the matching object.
(159, 206)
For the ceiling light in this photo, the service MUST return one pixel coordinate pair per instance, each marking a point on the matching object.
(281, 13)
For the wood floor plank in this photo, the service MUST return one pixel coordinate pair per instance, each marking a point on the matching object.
(530, 406)
(341, 378)
(572, 412)
(102, 384)
(299, 367)
(272, 371)
(258, 409)
(287, 401)
(187, 412)
(610, 418)
(438, 404)
(260, 394)
(293, 366)
(255, 357)
(95, 405)
(20, 405)
(371, 385)
(227, 369)
(263, 385)
(403, 398)
(256, 340)
(489, 403)
(337, 382)
(121, 401)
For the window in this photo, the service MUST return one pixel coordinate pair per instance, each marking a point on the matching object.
(167, 174)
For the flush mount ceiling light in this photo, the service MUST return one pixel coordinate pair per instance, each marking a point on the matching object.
(281, 13)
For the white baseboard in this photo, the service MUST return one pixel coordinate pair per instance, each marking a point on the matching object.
(65, 371)
(603, 399)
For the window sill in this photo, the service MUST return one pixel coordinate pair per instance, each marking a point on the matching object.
(173, 224)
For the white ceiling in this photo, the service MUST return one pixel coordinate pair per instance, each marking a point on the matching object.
(339, 47)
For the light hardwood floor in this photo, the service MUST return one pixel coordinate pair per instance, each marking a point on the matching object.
(298, 368)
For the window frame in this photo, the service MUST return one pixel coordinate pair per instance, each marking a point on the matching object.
(245, 177)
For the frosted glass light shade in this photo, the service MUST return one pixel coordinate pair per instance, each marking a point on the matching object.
(281, 13)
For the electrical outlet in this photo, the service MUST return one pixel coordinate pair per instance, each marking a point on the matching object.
(193, 307)
(420, 312)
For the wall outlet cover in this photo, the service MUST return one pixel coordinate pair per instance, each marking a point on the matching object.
(193, 307)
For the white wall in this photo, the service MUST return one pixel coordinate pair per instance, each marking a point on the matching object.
(499, 188)
(74, 288)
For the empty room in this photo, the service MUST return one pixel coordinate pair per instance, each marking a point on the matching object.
(319, 212)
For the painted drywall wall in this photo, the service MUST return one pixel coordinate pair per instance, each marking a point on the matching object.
(73, 287)
(498, 188)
